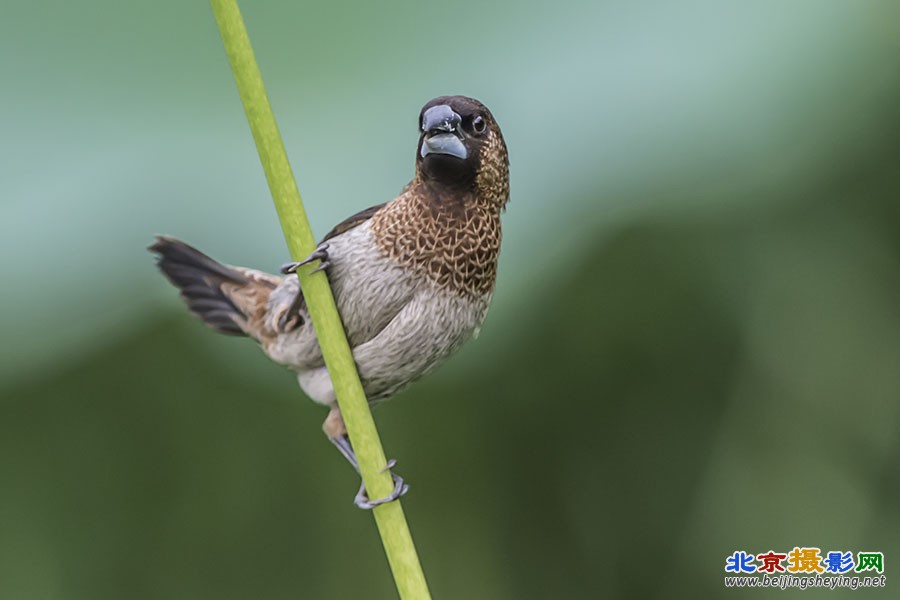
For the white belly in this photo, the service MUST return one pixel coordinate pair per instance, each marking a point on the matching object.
(399, 326)
(425, 332)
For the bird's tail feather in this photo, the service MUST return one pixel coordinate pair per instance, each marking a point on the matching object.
(228, 299)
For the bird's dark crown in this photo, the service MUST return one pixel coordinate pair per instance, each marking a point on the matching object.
(461, 150)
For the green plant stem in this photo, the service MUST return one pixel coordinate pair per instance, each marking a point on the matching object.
(391, 521)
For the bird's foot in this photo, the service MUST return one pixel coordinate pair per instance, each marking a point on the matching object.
(400, 488)
(342, 442)
(290, 319)
(321, 254)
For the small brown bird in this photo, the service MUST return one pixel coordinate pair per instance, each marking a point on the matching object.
(412, 278)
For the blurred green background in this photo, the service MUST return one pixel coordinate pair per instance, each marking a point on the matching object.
(694, 346)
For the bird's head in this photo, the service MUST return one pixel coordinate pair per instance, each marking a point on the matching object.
(461, 149)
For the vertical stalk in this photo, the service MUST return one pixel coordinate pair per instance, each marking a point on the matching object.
(391, 521)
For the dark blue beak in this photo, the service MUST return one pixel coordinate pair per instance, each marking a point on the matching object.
(441, 127)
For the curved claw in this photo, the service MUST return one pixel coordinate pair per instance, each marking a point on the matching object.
(289, 267)
(320, 254)
(284, 321)
(400, 487)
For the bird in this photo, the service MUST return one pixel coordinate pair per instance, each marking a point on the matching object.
(412, 278)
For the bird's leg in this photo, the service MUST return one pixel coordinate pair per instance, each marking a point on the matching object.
(333, 426)
(321, 254)
(284, 321)
(362, 498)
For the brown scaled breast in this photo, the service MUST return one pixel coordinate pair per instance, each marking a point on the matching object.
(455, 245)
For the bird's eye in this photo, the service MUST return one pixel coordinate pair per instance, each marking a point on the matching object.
(478, 124)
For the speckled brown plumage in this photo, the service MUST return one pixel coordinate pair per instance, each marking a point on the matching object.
(492, 180)
(456, 247)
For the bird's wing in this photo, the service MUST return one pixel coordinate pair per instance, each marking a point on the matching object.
(229, 299)
(352, 221)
